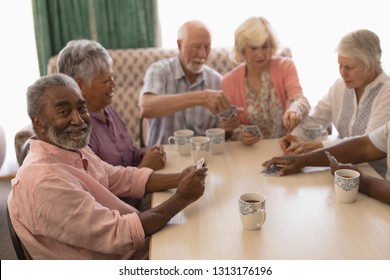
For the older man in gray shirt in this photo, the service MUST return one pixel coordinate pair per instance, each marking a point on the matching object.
(183, 92)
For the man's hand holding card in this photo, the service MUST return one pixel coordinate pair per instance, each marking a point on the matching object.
(230, 113)
(229, 120)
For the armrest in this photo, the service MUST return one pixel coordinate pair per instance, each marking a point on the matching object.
(21, 147)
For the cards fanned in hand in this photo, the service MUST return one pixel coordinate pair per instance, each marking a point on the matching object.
(272, 170)
(229, 113)
(253, 129)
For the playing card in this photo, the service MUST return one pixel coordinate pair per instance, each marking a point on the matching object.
(272, 170)
(331, 158)
(200, 163)
(253, 129)
(229, 113)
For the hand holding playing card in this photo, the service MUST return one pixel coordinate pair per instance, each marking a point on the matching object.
(250, 134)
(229, 113)
(331, 158)
(253, 129)
(200, 163)
(272, 170)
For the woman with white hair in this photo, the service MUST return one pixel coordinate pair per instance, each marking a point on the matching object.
(357, 103)
(265, 84)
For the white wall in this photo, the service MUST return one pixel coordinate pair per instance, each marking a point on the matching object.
(312, 29)
(19, 69)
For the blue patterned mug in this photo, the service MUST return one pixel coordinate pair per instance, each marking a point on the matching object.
(200, 148)
(312, 131)
(252, 210)
(181, 141)
(346, 184)
(217, 138)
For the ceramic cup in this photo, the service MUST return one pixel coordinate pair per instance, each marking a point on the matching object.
(312, 131)
(346, 184)
(252, 210)
(181, 141)
(217, 139)
(200, 148)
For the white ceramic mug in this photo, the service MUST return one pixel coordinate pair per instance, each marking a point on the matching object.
(313, 131)
(217, 138)
(200, 148)
(181, 141)
(252, 210)
(346, 184)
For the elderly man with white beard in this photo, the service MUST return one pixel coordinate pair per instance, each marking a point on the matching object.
(183, 92)
(63, 203)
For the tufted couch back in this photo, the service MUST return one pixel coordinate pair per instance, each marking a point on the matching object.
(130, 66)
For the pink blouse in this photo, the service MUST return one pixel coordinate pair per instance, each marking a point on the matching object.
(284, 79)
(64, 205)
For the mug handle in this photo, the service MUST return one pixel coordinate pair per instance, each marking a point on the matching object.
(171, 141)
(324, 134)
(264, 216)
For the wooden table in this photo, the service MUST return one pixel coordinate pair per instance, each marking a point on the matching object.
(304, 220)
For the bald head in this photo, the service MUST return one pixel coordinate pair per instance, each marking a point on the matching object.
(190, 27)
(194, 42)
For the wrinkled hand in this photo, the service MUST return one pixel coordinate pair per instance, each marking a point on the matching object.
(154, 158)
(292, 164)
(216, 101)
(304, 147)
(286, 141)
(291, 119)
(248, 138)
(231, 124)
(192, 185)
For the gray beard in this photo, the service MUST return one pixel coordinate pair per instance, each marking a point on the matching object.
(61, 138)
(193, 70)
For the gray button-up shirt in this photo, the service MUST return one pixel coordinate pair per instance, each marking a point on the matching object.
(167, 77)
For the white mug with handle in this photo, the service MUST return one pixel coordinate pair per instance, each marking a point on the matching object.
(200, 148)
(181, 141)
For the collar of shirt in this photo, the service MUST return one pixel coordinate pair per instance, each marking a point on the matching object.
(55, 154)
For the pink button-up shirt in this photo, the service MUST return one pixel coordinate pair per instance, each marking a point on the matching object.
(64, 205)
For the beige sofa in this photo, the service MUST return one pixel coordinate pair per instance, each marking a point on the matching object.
(129, 68)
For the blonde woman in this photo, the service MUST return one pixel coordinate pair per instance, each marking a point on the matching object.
(265, 85)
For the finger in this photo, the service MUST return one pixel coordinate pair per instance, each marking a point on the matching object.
(226, 98)
(284, 143)
(164, 158)
(267, 163)
(274, 160)
(292, 148)
(287, 124)
(298, 150)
